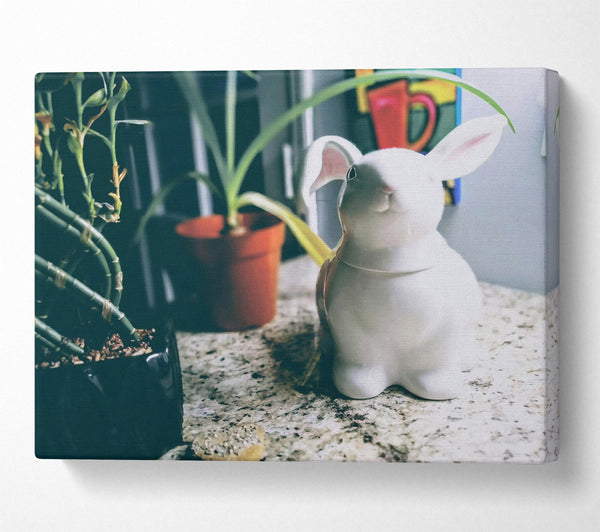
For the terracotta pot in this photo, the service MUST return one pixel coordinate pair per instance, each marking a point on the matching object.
(238, 273)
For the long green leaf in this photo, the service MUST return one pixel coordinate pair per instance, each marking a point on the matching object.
(252, 75)
(191, 91)
(133, 122)
(312, 243)
(162, 195)
(277, 125)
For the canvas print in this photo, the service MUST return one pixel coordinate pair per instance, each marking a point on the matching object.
(300, 265)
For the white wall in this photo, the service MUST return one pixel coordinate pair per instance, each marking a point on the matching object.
(339, 34)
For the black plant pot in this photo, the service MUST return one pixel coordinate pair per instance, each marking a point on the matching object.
(129, 407)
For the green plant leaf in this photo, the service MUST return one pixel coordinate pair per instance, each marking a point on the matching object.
(120, 96)
(191, 91)
(312, 243)
(163, 194)
(104, 83)
(97, 99)
(252, 75)
(133, 122)
(277, 125)
(74, 144)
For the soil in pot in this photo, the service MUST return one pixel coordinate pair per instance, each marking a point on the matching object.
(238, 272)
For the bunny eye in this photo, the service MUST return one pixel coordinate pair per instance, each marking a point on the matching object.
(351, 174)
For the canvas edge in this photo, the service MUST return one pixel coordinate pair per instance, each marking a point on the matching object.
(552, 345)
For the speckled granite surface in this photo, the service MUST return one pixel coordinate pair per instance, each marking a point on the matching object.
(508, 412)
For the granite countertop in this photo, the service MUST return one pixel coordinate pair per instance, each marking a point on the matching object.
(508, 411)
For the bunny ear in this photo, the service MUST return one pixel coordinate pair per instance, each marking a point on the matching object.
(335, 165)
(326, 159)
(467, 147)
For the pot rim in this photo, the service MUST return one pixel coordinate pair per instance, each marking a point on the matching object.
(181, 227)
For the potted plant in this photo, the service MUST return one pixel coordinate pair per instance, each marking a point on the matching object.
(104, 389)
(217, 242)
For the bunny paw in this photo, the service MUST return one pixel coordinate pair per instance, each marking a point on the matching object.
(437, 385)
(358, 381)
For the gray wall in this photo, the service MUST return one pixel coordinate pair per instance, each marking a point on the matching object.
(506, 226)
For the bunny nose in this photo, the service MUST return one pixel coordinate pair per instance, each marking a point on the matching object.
(386, 189)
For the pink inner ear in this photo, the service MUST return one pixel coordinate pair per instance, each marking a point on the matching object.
(466, 147)
(335, 165)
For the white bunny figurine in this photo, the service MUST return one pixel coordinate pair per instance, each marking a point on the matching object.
(398, 303)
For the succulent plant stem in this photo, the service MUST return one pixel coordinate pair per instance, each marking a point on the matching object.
(62, 280)
(74, 233)
(87, 233)
(53, 340)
